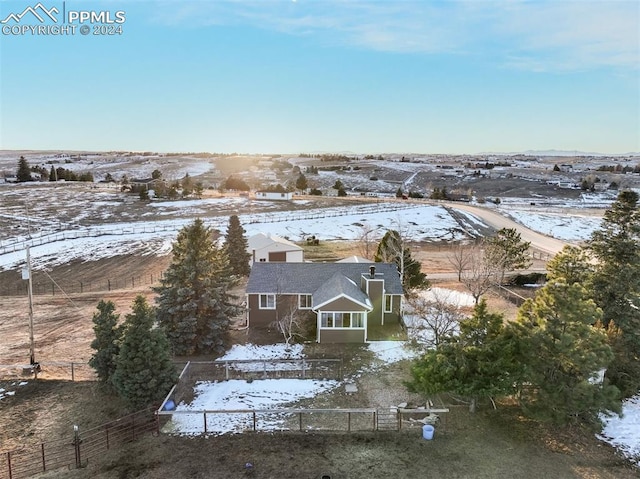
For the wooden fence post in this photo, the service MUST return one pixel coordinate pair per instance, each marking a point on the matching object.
(44, 463)
(9, 464)
(205, 421)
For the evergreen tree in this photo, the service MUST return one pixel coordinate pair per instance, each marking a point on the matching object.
(476, 364)
(236, 247)
(53, 176)
(144, 372)
(193, 300)
(106, 342)
(507, 252)
(571, 265)
(301, 182)
(24, 171)
(393, 249)
(563, 353)
(616, 286)
(187, 185)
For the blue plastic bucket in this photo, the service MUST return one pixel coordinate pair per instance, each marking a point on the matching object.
(427, 432)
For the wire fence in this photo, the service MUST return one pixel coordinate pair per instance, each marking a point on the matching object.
(60, 370)
(249, 370)
(79, 448)
(18, 244)
(43, 284)
(214, 422)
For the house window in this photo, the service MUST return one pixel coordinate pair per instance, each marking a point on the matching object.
(388, 303)
(267, 301)
(341, 320)
(304, 301)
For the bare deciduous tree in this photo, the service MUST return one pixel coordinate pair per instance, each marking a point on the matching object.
(433, 317)
(460, 259)
(482, 270)
(289, 318)
(368, 237)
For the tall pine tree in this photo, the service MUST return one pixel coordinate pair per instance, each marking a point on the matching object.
(193, 302)
(476, 364)
(106, 342)
(144, 372)
(236, 247)
(563, 353)
(393, 249)
(24, 171)
(616, 286)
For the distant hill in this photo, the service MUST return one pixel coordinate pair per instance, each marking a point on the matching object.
(562, 153)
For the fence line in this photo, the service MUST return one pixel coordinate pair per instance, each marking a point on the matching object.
(74, 370)
(44, 286)
(79, 448)
(11, 246)
(301, 420)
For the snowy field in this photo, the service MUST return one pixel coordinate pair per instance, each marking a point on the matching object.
(153, 236)
(425, 222)
(560, 226)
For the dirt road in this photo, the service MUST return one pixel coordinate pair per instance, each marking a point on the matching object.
(492, 218)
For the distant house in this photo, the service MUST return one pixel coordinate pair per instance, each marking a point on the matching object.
(345, 300)
(274, 195)
(266, 248)
(148, 183)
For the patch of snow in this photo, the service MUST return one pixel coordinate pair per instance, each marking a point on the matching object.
(272, 351)
(389, 352)
(624, 432)
(238, 394)
(448, 296)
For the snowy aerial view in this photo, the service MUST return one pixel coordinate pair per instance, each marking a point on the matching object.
(320, 239)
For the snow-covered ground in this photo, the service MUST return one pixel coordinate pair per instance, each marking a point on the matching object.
(558, 225)
(624, 432)
(238, 395)
(263, 393)
(425, 222)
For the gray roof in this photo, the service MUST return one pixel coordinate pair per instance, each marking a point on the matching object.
(306, 278)
(339, 285)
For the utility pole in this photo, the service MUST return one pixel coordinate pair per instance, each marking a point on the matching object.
(30, 292)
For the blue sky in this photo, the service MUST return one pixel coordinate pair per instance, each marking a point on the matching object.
(329, 75)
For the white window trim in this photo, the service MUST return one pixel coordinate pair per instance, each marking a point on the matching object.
(267, 295)
(309, 304)
(390, 296)
(364, 320)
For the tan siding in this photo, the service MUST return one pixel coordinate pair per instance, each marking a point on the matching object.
(259, 317)
(342, 336)
(342, 304)
(376, 295)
